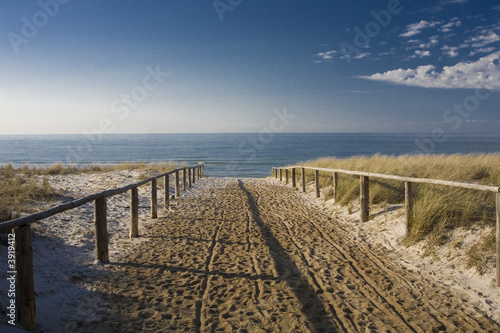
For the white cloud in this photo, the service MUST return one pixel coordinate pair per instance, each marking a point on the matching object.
(483, 40)
(450, 51)
(448, 27)
(432, 42)
(361, 55)
(421, 54)
(416, 28)
(483, 73)
(327, 55)
(483, 50)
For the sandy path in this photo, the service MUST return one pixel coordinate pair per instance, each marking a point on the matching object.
(252, 256)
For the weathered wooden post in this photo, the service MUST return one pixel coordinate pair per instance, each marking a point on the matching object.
(498, 238)
(316, 179)
(203, 170)
(294, 181)
(166, 195)
(364, 202)
(286, 176)
(199, 171)
(334, 186)
(177, 187)
(194, 174)
(101, 230)
(134, 212)
(183, 179)
(189, 177)
(25, 282)
(281, 174)
(408, 205)
(303, 180)
(154, 199)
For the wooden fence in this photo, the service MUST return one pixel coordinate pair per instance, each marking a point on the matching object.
(25, 287)
(364, 197)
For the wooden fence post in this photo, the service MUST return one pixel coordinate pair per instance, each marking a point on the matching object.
(134, 212)
(25, 282)
(194, 174)
(334, 186)
(408, 205)
(199, 171)
(364, 202)
(303, 180)
(498, 238)
(203, 170)
(281, 174)
(101, 230)
(286, 176)
(189, 177)
(154, 199)
(177, 189)
(316, 179)
(166, 195)
(183, 179)
(294, 181)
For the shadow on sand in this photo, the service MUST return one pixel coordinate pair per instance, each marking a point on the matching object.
(312, 306)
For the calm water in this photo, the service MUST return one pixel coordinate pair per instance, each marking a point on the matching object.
(242, 155)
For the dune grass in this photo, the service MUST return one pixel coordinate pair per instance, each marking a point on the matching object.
(17, 190)
(22, 185)
(62, 169)
(437, 208)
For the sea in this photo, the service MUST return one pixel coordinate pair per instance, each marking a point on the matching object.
(229, 155)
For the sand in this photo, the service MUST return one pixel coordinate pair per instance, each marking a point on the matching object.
(240, 255)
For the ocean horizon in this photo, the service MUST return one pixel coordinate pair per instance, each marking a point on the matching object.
(230, 154)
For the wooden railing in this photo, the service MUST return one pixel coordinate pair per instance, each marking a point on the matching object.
(25, 287)
(364, 197)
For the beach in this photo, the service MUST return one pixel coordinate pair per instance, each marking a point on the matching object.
(246, 254)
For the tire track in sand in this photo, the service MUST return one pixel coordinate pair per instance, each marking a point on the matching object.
(302, 228)
(311, 306)
(252, 256)
(205, 287)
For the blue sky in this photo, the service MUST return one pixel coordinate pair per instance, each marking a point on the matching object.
(151, 66)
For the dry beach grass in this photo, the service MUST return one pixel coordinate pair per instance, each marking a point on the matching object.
(438, 209)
